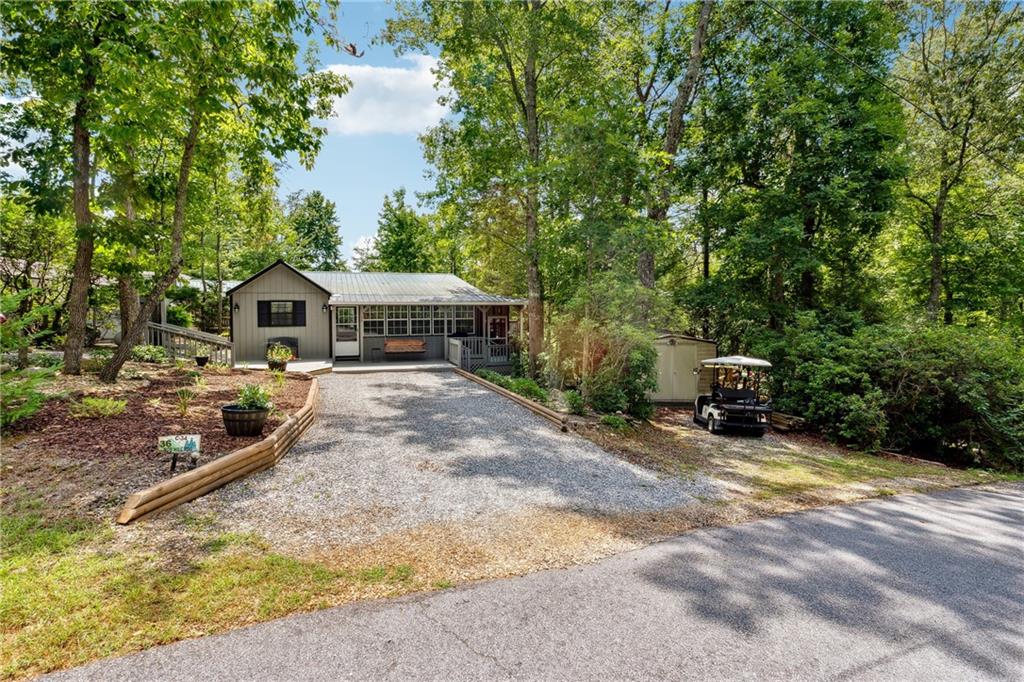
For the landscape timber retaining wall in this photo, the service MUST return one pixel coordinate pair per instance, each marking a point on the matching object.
(212, 475)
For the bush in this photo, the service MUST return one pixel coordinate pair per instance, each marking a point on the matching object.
(254, 397)
(46, 360)
(615, 421)
(179, 316)
(574, 401)
(155, 354)
(20, 395)
(943, 392)
(615, 366)
(528, 388)
(95, 408)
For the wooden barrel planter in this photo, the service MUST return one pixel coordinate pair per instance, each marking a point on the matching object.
(241, 422)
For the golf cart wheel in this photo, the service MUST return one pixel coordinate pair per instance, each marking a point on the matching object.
(712, 425)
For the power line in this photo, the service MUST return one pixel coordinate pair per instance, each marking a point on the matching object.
(885, 85)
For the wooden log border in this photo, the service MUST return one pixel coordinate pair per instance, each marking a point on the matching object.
(559, 419)
(212, 475)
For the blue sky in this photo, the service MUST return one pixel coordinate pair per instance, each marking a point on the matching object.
(372, 146)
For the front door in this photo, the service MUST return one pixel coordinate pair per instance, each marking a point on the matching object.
(497, 337)
(346, 332)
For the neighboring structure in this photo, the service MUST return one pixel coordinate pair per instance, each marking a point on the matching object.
(680, 376)
(370, 317)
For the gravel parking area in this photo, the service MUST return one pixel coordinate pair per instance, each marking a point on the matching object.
(392, 451)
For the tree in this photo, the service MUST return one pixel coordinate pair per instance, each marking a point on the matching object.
(402, 243)
(235, 83)
(963, 74)
(315, 221)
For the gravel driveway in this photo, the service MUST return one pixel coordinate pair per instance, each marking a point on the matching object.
(396, 450)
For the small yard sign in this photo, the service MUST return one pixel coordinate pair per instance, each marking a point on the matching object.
(176, 445)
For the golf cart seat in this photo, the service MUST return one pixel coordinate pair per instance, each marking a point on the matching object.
(732, 394)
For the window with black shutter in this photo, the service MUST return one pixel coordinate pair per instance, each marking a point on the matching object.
(281, 313)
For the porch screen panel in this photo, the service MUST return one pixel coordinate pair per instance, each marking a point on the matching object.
(398, 320)
(419, 320)
(373, 320)
(465, 321)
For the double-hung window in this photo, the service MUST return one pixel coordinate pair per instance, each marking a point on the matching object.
(419, 320)
(373, 320)
(398, 320)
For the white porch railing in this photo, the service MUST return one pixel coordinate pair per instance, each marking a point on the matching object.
(181, 342)
(473, 352)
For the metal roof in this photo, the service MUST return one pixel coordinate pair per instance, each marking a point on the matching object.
(403, 288)
(735, 361)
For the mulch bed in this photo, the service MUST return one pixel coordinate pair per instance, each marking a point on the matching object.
(90, 465)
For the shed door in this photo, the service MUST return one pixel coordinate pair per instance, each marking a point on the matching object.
(676, 380)
(346, 332)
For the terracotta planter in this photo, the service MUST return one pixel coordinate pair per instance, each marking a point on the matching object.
(277, 365)
(242, 422)
(201, 360)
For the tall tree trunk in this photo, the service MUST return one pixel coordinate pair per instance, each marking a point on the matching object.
(160, 286)
(935, 246)
(220, 289)
(535, 299)
(705, 248)
(657, 211)
(78, 296)
(127, 294)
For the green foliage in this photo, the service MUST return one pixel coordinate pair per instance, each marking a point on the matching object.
(184, 397)
(526, 387)
(403, 242)
(614, 365)
(254, 397)
(615, 421)
(179, 316)
(95, 408)
(315, 220)
(574, 401)
(942, 392)
(153, 354)
(279, 353)
(21, 395)
(277, 378)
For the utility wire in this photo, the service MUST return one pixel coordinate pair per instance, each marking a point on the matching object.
(885, 85)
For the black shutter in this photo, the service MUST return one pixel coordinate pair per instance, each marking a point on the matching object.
(299, 313)
(262, 313)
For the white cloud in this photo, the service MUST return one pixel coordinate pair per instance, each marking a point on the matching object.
(387, 99)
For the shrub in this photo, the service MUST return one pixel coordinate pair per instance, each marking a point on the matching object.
(95, 408)
(46, 360)
(179, 316)
(277, 378)
(528, 388)
(155, 354)
(254, 397)
(940, 391)
(574, 401)
(21, 395)
(615, 421)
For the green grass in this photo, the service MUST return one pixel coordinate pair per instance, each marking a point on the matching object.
(69, 597)
(615, 421)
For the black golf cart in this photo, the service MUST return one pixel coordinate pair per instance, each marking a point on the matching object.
(736, 400)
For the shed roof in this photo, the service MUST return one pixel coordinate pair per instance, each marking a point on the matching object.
(395, 288)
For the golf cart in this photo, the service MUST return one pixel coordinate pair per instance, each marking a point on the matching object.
(736, 400)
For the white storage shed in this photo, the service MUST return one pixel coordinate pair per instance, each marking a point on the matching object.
(679, 356)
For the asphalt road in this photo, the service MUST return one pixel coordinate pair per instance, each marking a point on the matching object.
(927, 587)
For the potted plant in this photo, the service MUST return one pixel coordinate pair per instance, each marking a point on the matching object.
(247, 415)
(278, 357)
(201, 360)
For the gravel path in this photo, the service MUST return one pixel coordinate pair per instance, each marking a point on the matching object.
(395, 450)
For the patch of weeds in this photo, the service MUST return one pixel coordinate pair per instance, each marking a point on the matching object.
(615, 421)
(444, 584)
(154, 402)
(277, 379)
(380, 574)
(29, 533)
(95, 408)
(885, 492)
(232, 539)
(152, 354)
(199, 522)
(199, 382)
(575, 402)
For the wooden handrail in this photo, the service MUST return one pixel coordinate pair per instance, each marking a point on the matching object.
(195, 334)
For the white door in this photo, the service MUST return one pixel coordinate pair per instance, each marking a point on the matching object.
(346, 332)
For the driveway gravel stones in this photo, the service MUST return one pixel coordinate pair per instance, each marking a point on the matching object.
(392, 451)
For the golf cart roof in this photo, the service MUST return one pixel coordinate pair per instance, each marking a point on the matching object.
(736, 361)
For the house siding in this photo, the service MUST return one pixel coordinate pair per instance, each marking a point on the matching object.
(280, 284)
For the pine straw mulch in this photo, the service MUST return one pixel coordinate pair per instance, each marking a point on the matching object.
(89, 465)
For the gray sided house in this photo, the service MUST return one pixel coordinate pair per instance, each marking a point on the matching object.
(371, 317)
